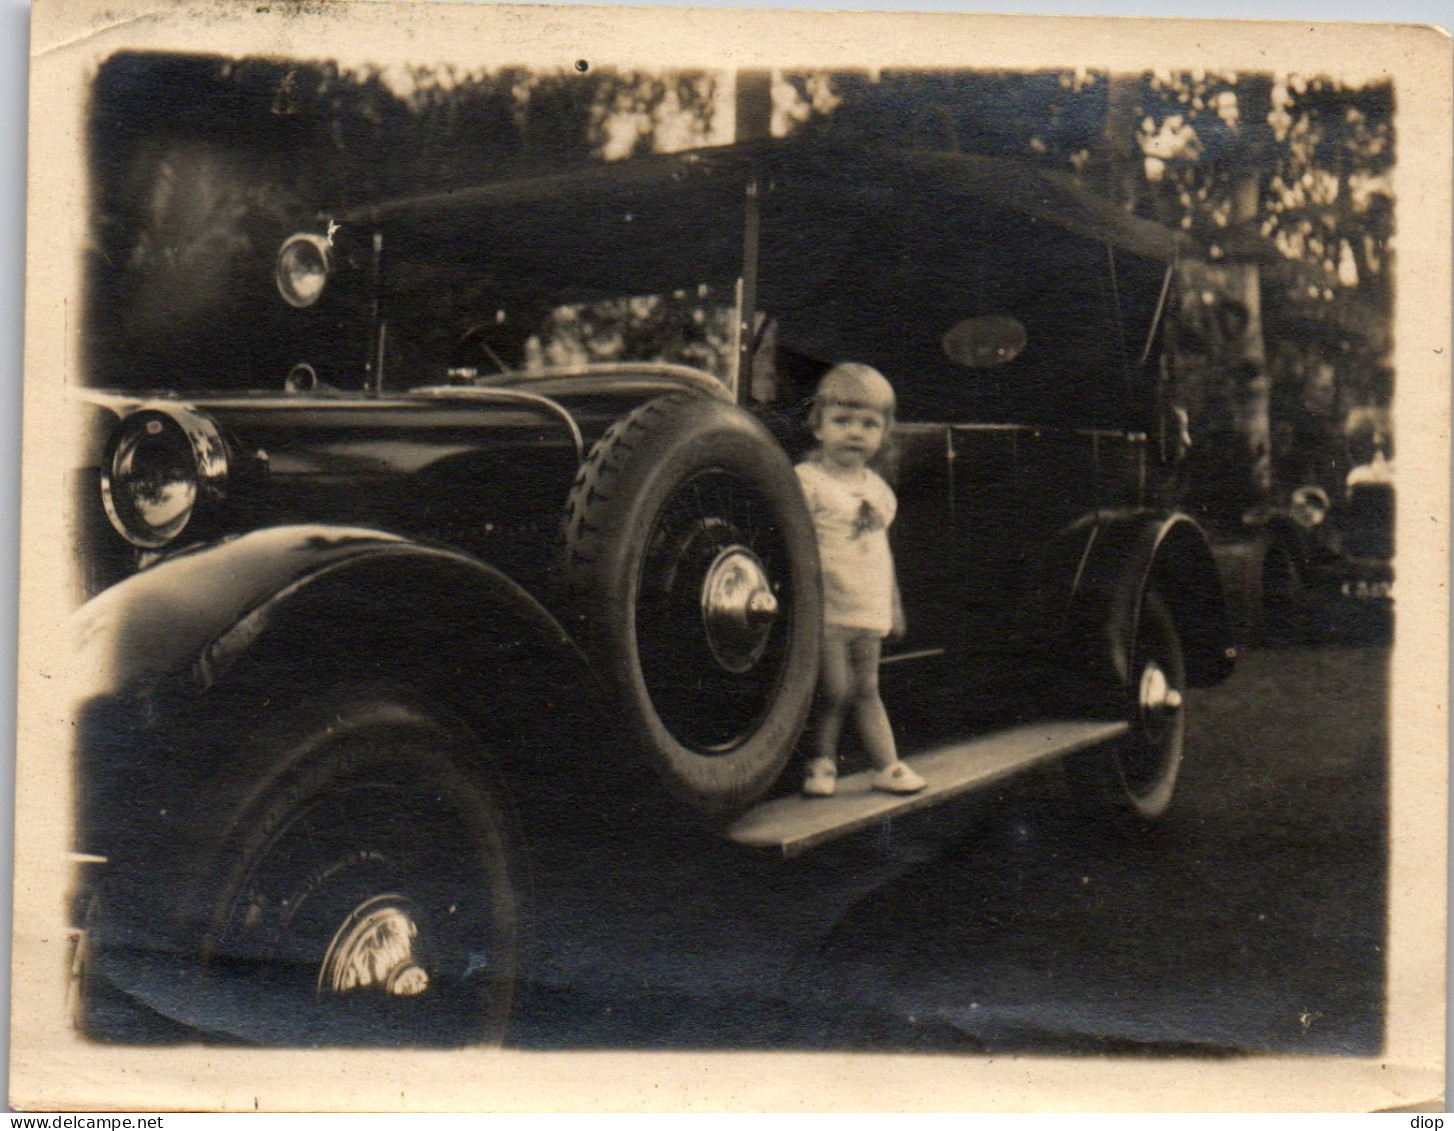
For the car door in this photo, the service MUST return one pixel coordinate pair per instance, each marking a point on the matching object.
(924, 540)
(985, 508)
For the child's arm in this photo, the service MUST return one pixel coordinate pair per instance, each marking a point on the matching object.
(900, 623)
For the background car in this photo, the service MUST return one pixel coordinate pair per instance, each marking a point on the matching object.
(1324, 571)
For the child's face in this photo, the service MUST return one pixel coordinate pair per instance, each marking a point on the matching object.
(850, 435)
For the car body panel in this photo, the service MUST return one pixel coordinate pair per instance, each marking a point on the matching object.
(1330, 579)
(401, 468)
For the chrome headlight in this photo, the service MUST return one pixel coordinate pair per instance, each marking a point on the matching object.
(1309, 506)
(161, 464)
(304, 263)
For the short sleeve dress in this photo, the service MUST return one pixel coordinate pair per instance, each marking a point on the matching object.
(852, 517)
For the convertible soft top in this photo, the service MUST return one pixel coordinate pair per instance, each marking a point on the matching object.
(854, 174)
(849, 251)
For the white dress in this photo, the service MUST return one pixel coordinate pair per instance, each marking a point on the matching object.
(852, 518)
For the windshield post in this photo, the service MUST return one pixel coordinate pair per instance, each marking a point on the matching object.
(1160, 311)
(745, 314)
(1164, 407)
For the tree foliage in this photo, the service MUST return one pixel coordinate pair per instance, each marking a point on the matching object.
(202, 164)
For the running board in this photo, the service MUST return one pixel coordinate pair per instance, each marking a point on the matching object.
(797, 823)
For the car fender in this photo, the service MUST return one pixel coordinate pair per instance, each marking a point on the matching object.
(1129, 552)
(213, 641)
(197, 614)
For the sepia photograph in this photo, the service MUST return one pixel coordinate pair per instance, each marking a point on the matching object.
(602, 559)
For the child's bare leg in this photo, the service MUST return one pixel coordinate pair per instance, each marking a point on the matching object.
(835, 691)
(868, 705)
(891, 775)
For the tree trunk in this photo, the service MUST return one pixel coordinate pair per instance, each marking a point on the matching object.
(1120, 156)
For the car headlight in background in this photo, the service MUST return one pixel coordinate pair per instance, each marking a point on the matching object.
(1309, 506)
(304, 263)
(161, 464)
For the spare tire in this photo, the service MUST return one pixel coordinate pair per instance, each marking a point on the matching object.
(692, 575)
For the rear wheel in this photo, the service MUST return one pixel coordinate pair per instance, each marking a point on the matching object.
(1137, 773)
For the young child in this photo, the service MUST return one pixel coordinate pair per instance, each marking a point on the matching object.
(852, 508)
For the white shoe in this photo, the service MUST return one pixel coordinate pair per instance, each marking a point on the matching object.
(821, 778)
(898, 778)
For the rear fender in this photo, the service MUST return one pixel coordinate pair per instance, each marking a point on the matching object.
(1128, 553)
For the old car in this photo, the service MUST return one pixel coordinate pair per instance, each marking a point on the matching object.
(1325, 569)
(505, 519)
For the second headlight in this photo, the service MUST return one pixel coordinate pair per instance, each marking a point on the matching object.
(304, 264)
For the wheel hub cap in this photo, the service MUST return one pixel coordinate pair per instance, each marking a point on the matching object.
(1158, 697)
(376, 950)
(739, 608)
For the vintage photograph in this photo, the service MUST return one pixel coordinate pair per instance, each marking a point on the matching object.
(868, 559)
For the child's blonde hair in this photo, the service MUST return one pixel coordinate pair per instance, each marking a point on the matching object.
(856, 384)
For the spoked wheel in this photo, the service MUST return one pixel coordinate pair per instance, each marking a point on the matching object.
(370, 899)
(714, 580)
(1137, 773)
(692, 570)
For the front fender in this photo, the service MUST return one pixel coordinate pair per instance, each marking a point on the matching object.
(159, 621)
(199, 649)
(199, 613)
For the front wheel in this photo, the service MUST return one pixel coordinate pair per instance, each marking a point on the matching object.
(1137, 773)
(366, 898)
